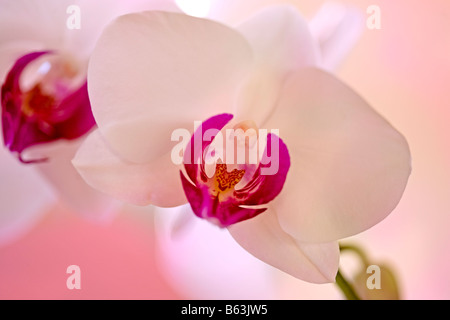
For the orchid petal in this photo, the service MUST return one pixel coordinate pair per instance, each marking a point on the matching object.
(67, 183)
(24, 195)
(157, 182)
(349, 166)
(95, 15)
(157, 72)
(35, 118)
(233, 12)
(197, 258)
(42, 21)
(263, 237)
(281, 46)
(337, 28)
(45, 21)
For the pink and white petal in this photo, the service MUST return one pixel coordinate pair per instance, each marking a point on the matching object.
(157, 182)
(264, 238)
(24, 196)
(95, 15)
(154, 72)
(233, 12)
(202, 261)
(42, 21)
(59, 172)
(145, 5)
(92, 17)
(280, 38)
(337, 28)
(282, 43)
(349, 166)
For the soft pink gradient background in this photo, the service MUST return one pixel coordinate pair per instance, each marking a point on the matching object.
(403, 70)
(116, 260)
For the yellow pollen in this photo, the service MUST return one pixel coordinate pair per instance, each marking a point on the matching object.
(225, 180)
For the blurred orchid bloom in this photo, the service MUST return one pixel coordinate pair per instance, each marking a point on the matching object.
(345, 167)
(45, 109)
(335, 27)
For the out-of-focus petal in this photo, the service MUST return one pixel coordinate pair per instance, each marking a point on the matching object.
(202, 261)
(24, 195)
(157, 182)
(157, 72)
(336, 27)
(45, 21)
(33, 117)
(68, 184)
(42, 21)
(282, 43)
(95, 15)
(280, 38)
(349, 166)
(92, 17)
(263, 237)
(233, 12)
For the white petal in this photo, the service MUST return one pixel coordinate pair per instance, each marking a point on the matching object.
(67, 183)
(24, 196)
(349, 166)
(42, 21)
(154, 72)
(202, 261)
(282, 43)
(157, 182)
(232, 12)
(336, 28)
(95, 15)
(263, 237)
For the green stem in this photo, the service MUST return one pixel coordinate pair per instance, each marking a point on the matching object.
(346, 287)
(362, 255)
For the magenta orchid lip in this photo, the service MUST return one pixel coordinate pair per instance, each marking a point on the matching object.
(232, 146)
(216, 198)
(33, 116)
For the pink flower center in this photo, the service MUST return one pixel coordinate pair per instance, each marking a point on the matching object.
(44, 98)
(223, 182)
(217, 198)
